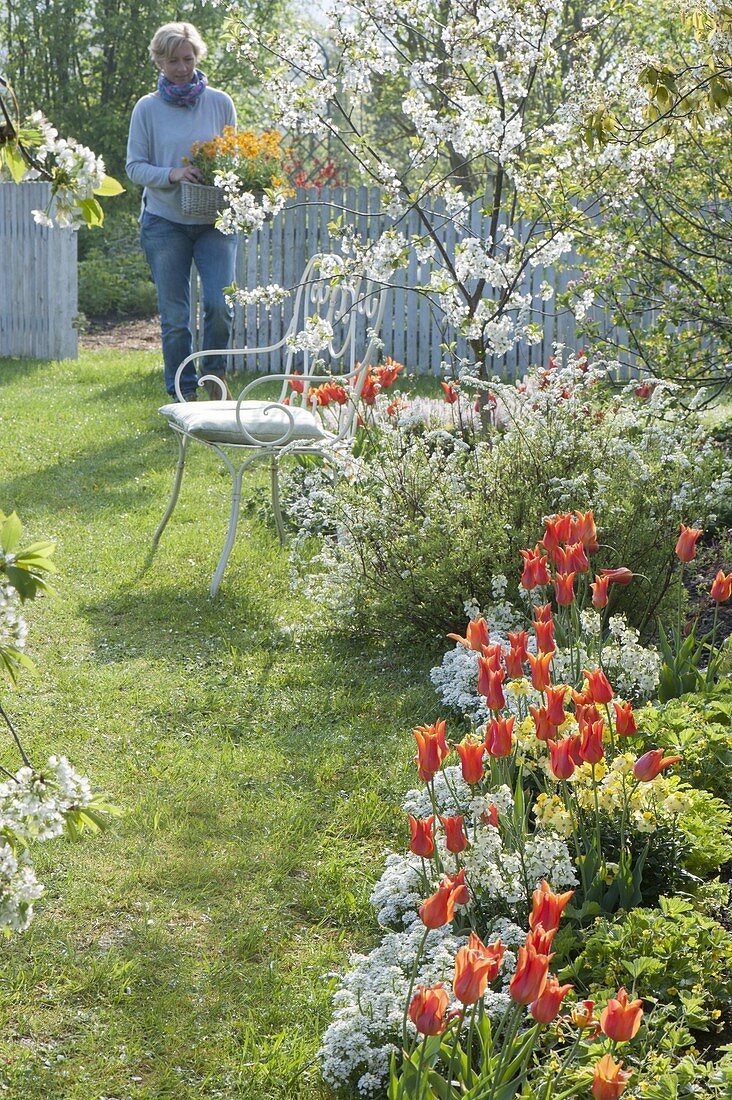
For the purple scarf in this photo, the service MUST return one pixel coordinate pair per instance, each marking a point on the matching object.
(182, 95)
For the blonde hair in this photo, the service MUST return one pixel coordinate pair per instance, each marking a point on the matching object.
(169, 37)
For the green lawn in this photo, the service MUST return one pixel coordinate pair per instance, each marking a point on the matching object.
(186, 952)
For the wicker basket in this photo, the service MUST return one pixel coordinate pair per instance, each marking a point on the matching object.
(200, 201)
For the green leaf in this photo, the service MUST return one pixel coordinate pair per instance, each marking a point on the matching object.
(10, 533)
(91, 212)
(14, 161)
(108, 187)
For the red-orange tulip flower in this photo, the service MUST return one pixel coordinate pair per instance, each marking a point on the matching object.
(431, 749)
(577, 558)
(686, 545)
(545, 636)
(471, 759)
(535, 573)
(555, 697)
(387, 373)
(493, 656)
(583, 1016)
(540, 670)
(455, 838)
(609, 1080)
(651, 764)
(622, 575)
(475, 967)
(499, 736)
(599, 592)
(517, 654)
(561, 762)
(547, 907)
(598, 686)
(494, 697)
(545, 729)
(451, 394)
(625, 723)
(564, 588)
(439, 908)
(546, 1007)
(428, 1007)
(422, 842)
(591, 748)
(587, 531)
(530, 976)
(476, 635)
(721, 589)
(543, 613)
(540, 939)
(575, 744)
(586, 713)
(490, 816)
(621, 1018)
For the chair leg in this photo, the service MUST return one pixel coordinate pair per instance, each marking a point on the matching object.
(182, 446)
(274, 471)
(236, 476)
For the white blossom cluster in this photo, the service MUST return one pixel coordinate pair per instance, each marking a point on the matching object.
(33, 806)
(75, 170)
(13, 629)
(317, 334)
(243, 210)
(266, 296)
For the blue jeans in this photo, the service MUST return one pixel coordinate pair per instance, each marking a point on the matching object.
(169, 248)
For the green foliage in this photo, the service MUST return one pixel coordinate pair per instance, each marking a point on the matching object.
(672, 955)
(699, 727)
(114, 278)
(21, 571)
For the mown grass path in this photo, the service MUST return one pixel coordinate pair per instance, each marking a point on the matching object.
(185, 952)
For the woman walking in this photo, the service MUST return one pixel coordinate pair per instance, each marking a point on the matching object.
(164, 126)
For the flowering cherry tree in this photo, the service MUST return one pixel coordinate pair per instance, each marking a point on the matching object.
(32, 149)
(487, 119)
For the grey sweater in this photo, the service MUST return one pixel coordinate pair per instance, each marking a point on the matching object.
(161, 135)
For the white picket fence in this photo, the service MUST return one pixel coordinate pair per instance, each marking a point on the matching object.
(413, 329)
(38, 280)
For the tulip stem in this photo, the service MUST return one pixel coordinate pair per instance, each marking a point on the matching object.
(453, 1052)
(412, 979)
(506, 1047)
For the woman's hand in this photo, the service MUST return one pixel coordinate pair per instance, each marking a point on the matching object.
(187, 174)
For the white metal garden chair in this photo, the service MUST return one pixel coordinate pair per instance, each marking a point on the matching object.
(249, 429)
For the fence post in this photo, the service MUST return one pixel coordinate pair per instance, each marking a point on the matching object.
(38, 278)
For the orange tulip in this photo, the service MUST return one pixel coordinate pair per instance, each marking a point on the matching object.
(476, 635)
(432, 749)
(651, 764)
(686, 544)
(540, 939)
(609, 1080)
(530, 976)
(545, 636)
(598, 686)
(540, 670)
(428, 1007)
(475, 967)
(455, 838)
(561, 763)
(591, 748)
(546, 1006)
(583, 1016)
(499, 736)
(577, 557)
(439, 908)
(535, 573)
(564, 588)
(422, 842)
(622, 575)
(625, 723)
(517, 654)
(543, 613)
(494, 697)
(721, 589)
(451, 394)
(599, 592)
(587, 531)
(555, 704)
(545, 729)
(621, 1018)
(586, 713)
(547, 907)
(471, 759)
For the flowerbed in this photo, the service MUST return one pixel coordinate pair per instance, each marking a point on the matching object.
(557, 927)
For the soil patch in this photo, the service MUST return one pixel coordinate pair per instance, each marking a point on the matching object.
(137, 334)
